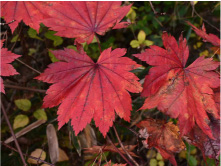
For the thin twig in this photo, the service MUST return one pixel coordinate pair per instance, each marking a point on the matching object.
(215, 52)
(28, 66)
(35, 158)
(156, 13)
(10, 103)
(128, 162)
(24, 88)
(13, 134)
(206, 21)
(12, 48)
(7, 23)
(122, 146)
(151, 5)
(98, 41)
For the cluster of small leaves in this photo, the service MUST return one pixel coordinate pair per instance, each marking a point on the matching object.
(86, 90)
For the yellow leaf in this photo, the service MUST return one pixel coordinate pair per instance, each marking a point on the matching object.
(23, 104)
(153, 162)
(141, 36)
(151, 154)
(38, 153)
(20, 121)
(182, 154)
(148, 42)
(134, 44)
(193, 151)
(199, 44)
(205, 53)
(159, 157)
(161, 163)
(40, 114)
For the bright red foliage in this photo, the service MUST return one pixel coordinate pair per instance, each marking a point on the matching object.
(207, 37)
(179, 91)
(89, 90)
(163, 136)
(82, 20)
(6, 69)
(31, 13)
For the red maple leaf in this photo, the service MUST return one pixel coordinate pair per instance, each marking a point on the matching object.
(7, 69)
(82, 20)
(179, 91)
(207, 37)
(163, 136)
(89, 90)
(31, 13)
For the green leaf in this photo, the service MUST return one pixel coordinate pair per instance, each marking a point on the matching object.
(74, 139)
(52, 57)
(141, 36)
(148, 42)
(134, 44)
(57, 39)
(20, 121)
(40, 114)
(32, 33)
(192, 161)
(31, 51)
(72, 47)
(15, 38)
(23, 104)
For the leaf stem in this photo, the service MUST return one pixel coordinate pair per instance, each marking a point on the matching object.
(25, 88)
(109, 140)
(122, 146)
(98, 42)
(13, 134)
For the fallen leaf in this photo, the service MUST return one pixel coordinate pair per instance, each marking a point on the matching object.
(163, 136)
(89, 90)
(52, 143)
(62, 156)
(37, 153)
(179, 91)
